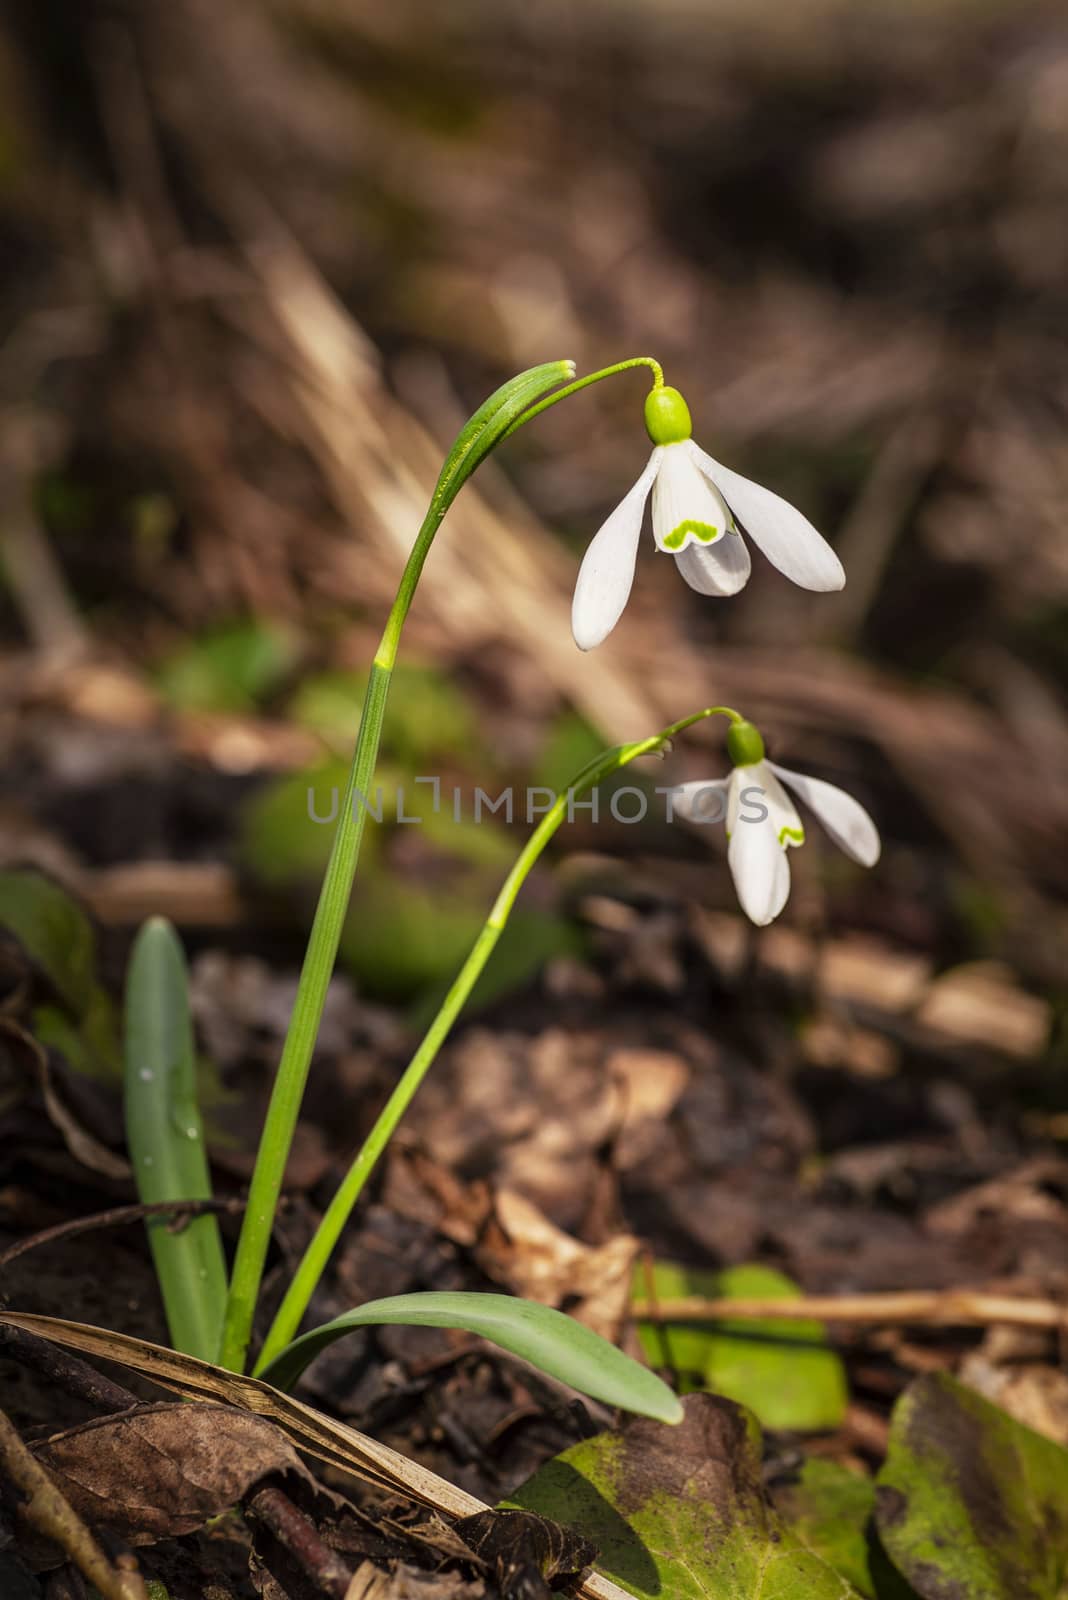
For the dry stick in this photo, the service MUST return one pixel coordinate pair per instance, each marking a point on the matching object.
(962, 1308)
(47, 1511)
(292, 1529)
(117, 1218)
(67, 1372)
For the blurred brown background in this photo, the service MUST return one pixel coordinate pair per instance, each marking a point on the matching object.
(261, 260)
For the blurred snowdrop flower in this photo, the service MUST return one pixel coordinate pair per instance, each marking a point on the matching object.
(697, 506)
(762, 821)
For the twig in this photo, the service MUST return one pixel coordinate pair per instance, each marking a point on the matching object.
(67, 1372)
(47, 1511)
(118, 1217)
(961, 1308)
(293, 1530)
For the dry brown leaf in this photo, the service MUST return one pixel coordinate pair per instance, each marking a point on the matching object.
(873, 973)
(1035, 1393)
(164, 1470)
(541, 1106)
(1029, 1193)
(419, 1187)
(307, 1429)
(408, 1583)
(526, 1553)
(650, 1085)
(981, 1004)
(515, 1243)
(539, 1261)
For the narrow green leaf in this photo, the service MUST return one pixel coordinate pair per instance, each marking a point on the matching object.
(970, 1502)
(549, 1340)
(485, 429)
(492, 421)
(165, 1138)
(783, 1371)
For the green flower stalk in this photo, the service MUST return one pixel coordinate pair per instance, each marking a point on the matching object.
(318, 1253)
(515, 403)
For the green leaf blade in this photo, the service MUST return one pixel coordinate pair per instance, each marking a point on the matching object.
(554, 1343)
(830, 1508)
(165, 1138)
(489, 424)
(682, 1516)
(971, 1502)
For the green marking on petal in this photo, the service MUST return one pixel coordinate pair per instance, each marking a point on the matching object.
(794, 835)
(700, 530)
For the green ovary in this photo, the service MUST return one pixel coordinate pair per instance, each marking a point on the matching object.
(700, 530)
(744, 744)
(667, 416)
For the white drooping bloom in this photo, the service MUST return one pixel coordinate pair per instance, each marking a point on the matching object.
(697, 508)
(762, 821)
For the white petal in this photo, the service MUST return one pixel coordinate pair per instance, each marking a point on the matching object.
(607, 570)
(721, 568)
(704, 800)
(844, 818)
(757, 861)
(687, 509)
(762, 790)
(788, 539)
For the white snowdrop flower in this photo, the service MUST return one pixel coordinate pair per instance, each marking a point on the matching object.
(762, 821)
(700, 510)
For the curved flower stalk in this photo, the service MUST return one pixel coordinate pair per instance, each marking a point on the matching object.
(697, 508)
(763, 824)
(511, 406)
(491, 423)
(697, 505)
(313, 1263)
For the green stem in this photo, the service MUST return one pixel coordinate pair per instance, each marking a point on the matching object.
(504, 411)
(484, 430)
(584, 383)
(290, 1080)
(318, 1253)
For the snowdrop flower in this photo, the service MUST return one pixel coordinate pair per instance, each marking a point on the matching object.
(762, 822)
(697, 506)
